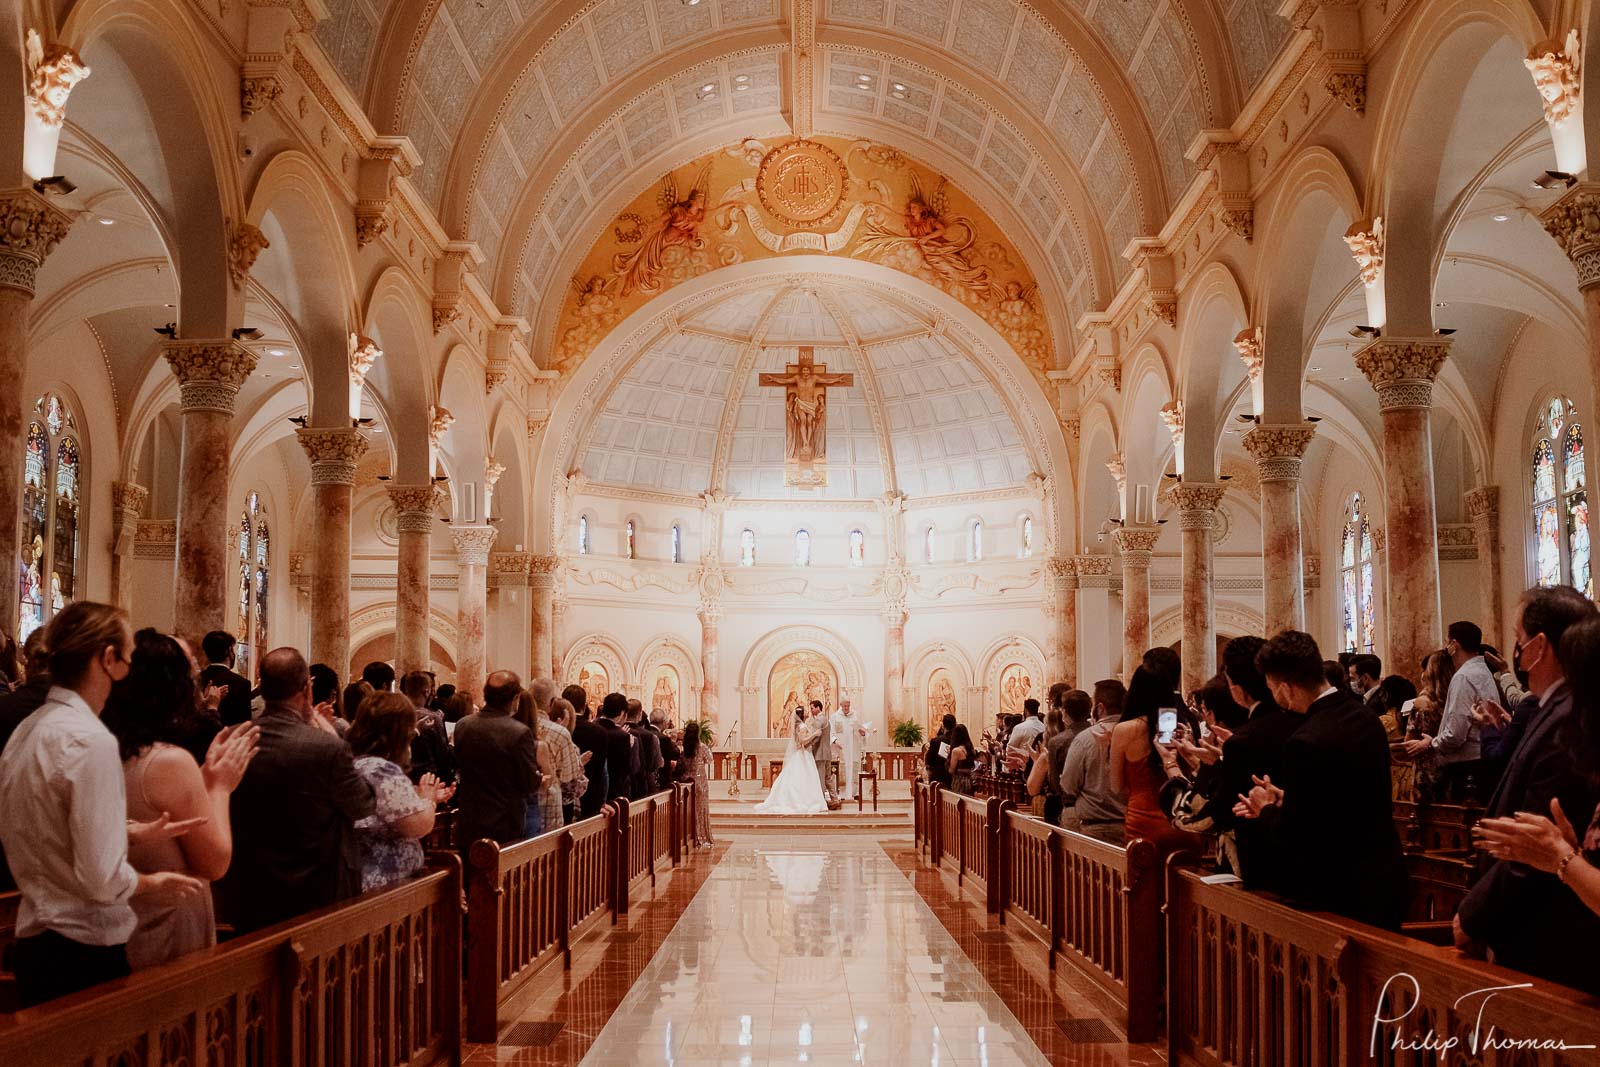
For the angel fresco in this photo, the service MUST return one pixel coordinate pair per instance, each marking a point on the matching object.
(675, 233)
(941, 240)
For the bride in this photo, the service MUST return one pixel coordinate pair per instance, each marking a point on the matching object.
(797, 790)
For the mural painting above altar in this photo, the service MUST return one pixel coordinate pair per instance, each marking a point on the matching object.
(797, 679)
(1015, 687)
(596, 682)
(664, 689)
(941, 701)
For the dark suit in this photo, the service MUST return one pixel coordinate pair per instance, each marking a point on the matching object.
(588, 736)
(1531, 921)
(646, 772)
(614, 744)
(235, 707)
(670, 756)
(293, 816)
(499, 772)
(1255, 748)
(1331, 845)
(430, 749)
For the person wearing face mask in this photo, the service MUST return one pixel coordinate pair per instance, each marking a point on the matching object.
(1458, 744)
(1525, 916)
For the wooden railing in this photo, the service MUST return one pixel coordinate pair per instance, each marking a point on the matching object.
(641, 846)
(9, 903)
(965, 841)
(517, 921)
(372, 980)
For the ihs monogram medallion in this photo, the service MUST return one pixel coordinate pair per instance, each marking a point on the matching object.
(802, 183)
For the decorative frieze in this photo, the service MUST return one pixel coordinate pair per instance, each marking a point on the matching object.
(156, 539)
(1457, 541)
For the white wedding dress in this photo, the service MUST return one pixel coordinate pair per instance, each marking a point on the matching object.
(797, 790)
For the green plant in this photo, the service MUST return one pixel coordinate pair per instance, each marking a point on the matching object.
(708, 737)
(907, 734)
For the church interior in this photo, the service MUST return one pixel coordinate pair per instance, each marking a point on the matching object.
(734, 354)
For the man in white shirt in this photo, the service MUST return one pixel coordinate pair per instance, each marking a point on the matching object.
(1457, 745)
(1029, 730)
(63, 817)
(849, 739)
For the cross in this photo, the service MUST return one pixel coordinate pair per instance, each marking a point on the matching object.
(805, 386)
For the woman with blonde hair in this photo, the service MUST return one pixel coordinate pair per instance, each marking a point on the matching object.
(1423, 715)
(537, 818)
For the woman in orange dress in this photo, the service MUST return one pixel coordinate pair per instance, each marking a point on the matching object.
(1136, 768)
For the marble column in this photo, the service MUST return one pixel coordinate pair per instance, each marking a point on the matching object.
(1062, 574)
(1278, 450)
(710, 696)
(472, 605)
(209, 375)
(1402, 372)
(127, 508)
(416, 514)
(1197, 517)
(334, 453)
(558, 629)
(894, 664)
(1136, 545)
(1574, 222)
(30, 228)
(541, 627)
(1483, 504)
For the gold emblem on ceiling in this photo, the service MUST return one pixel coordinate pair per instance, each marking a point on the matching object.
(801, 183)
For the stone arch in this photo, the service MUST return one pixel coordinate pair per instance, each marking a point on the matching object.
(400, 384)
(606, 651)
(1146, 444)
(376, 620)
(672, 651)
(758, 663)
(1214, 314)
(919, 676)
(1233, 620)
(1012, 650)
(509, 448)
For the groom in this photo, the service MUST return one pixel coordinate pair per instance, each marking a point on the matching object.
(821, 746)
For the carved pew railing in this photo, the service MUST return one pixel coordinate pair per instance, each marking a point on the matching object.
(372, 980)
(517, 920)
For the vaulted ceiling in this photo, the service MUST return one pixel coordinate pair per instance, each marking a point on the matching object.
(537, 120)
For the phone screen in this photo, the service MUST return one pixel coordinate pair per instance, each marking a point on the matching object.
(1205, 731)
(1166, 725)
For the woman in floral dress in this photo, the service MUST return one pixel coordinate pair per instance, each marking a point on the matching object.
(390, 838)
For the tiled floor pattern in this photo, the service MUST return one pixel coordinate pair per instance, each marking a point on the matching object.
(814, 949)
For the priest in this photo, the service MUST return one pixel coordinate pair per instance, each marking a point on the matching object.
(850, 737)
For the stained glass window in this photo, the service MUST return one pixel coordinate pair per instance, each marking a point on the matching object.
(1360, 611)
(747, 548)
(975, 541)
(677, 544)
(1027, 535)
(927, 545)
(858, 548)
(1559, 480)
(630, 539)
(255, 569)
(802, 549)
(52, 499)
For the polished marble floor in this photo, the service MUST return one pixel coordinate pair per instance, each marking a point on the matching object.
(817, 950)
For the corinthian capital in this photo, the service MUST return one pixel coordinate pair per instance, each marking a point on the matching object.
(1483, 502)
(209, 373)
(1574, 221)
(473, 544)
(52, 72)
(1197, 497)
(1403, 371)
(1278, 449)
(415, 507)
(1136, 543)
(30, 229)
(333, 452)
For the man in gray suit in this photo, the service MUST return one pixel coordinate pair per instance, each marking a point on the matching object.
(821, 747)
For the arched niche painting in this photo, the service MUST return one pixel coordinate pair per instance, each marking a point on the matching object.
(798, 679)
(1016, 685)
(665, 692)
(596, 683)
(941, 700)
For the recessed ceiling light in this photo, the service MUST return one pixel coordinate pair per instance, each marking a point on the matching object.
(1441, 303)
(1502, 217)
(1313, 369)
(169, 305)
(274, 351)
(106, 222)
(294, 366)
(898, 95)
(740, 88)
(899, 87)
(863, 77)
(708, 88)
(741, 77)
(379, 429)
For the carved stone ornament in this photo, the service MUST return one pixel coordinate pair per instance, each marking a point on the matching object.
(439, 421)
(1136, 543)
(1574, 222)
(1072, 426)
(1349, 87)
(333, 452)
(1198, 496)
(495, 374)
(1380, 539)
(1091, 566)
(364, 352)
(491, 474)
(128, 500)
(209, 373)
(257, 92)
(245, 244)
(536, 426)
(1109, 372)
(473, 544)
(1248, 343)
(1402, 372)
(1365, 240)
(1278, 442)
(1483, 502)
(444, 315)
(1555, 74)
(1163, 307)
(30, 229)
(372, 221)
(415, 506)
(1172, 418)
(52, 72)
(802, 183)
(1119, 470)
(1239, 221)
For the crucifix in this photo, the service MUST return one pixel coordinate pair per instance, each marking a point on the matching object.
(805, 407)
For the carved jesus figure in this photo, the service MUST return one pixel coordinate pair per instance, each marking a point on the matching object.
(806, 407)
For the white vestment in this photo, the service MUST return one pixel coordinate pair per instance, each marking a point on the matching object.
(850, 733)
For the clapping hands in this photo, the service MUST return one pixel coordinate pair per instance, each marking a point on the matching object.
(1490, 713)
(162, 828)
(1528, 838)
(230, 753)
(429, 788)
(1263, 796)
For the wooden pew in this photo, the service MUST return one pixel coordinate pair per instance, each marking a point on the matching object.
(370, 980)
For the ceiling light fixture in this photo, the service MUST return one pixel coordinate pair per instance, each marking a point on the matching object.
(708, 87)
(274, 351)
(106, 221)
(863, 77)
(740, 88)
(1501, 217)
(294, 366)
(741, 77)
(899, 87)
(1441, 303)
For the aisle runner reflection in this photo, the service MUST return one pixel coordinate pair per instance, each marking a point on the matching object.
(816, 953)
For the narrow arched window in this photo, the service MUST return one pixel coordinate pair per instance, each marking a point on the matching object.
(1561, 549)
(1355, 569)
(255, 567)
(927, 545)
(975, 541)
(858, 548)
(747, 548)
(677, 543)
(1027, 535)
(630, 543)
(802, 549)
(583, 535)
(52, 481)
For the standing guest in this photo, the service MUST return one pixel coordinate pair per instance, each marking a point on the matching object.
(1337, 676)
(570, 763)
(963, 757)
(660, 725)
(1394, 694)
(617, 746)
(1255, 747)
(591, 740)
(296, 808)
(441, 696)
(1526, 916)
(1327, 824)
(390, 839)
(499, 768)
(219, 647)
(354, 695)
(148, 713)
(1366, 672)
(1457, 746)
(63, 818)
(1045, 795)
(1138, 770)
(430, 750)
(1090, 805)
(456, 707)
(696, 766)
(1029, 730)
(10, 663)
(1200, 799)
(937, 756)
(534, 810)
(1422, 720)
(379, 675)
(18, 705)
(648, 747)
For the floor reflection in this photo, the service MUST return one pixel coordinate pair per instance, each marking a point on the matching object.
(818, 952)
